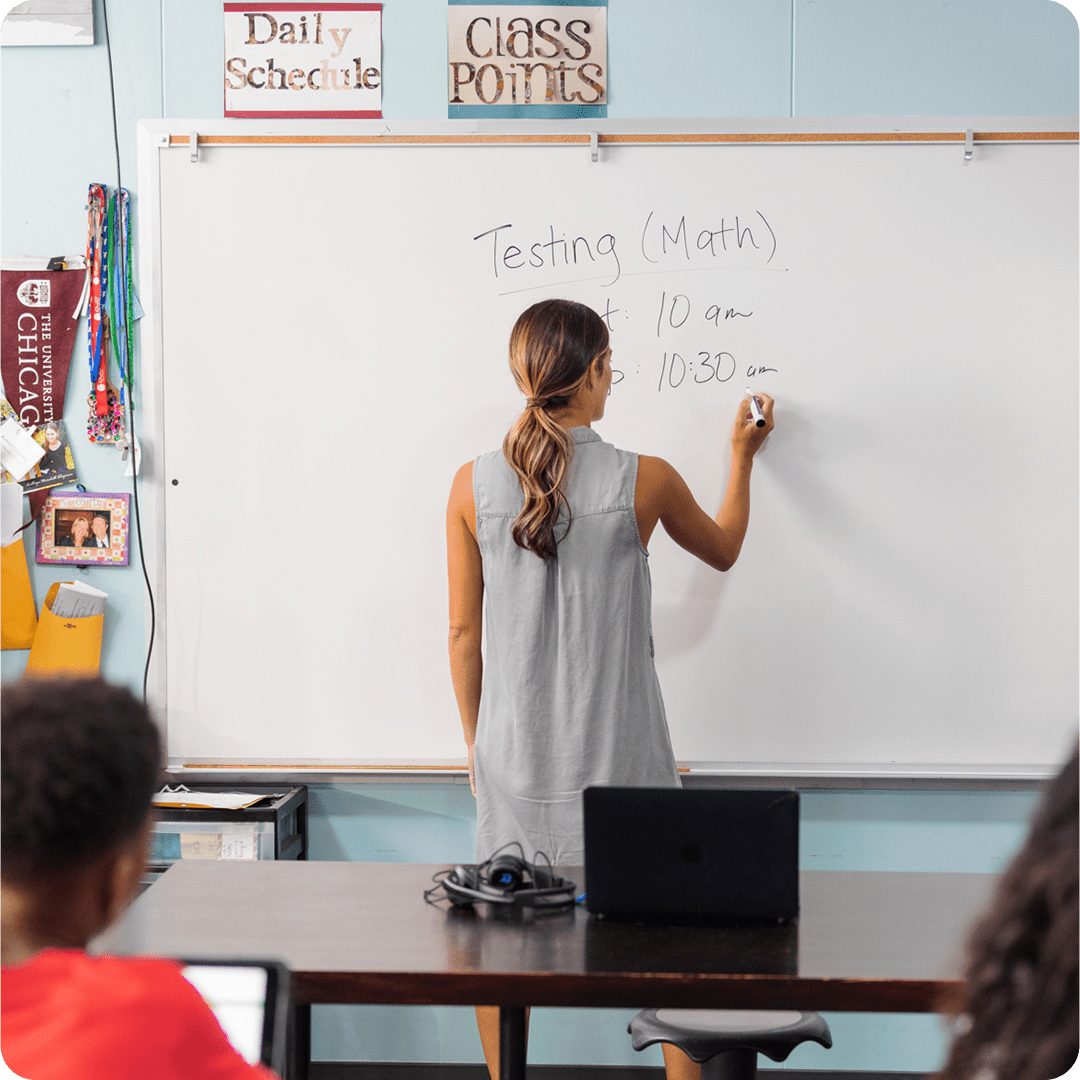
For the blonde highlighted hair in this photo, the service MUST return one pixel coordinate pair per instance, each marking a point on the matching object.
(553, 346)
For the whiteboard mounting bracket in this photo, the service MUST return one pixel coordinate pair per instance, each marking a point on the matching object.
(163, 138)
(193, 142)
(969, 145)
(594, 147)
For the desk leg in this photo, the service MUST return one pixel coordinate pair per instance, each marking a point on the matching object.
(512, 1047)
(298, 1056)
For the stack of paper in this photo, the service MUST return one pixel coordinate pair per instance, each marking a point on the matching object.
(74, 600)
(213, 800)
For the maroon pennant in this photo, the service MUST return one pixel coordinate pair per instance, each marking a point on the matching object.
(37, 337)
(38, 324)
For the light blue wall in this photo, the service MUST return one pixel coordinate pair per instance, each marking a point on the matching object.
(692, 58)
(932, 831)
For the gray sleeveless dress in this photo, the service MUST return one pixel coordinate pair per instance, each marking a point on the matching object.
(570, 695)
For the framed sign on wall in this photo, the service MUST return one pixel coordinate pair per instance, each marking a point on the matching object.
(544, 59)
(303, 60)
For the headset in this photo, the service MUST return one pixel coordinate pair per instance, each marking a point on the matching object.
(504, 879)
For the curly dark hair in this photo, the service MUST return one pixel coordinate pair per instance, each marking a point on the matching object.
(1021, 1018)
(79, 761)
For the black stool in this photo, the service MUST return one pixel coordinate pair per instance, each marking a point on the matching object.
(727, 1041)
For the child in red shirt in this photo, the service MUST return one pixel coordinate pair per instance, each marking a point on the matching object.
(80, 761)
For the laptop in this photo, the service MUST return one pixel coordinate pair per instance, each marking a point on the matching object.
(250, 999)
(692, 855)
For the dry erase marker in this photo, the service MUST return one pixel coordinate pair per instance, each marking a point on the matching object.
(755, 410)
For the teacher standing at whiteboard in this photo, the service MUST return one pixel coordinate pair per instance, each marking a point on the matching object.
(555, 527)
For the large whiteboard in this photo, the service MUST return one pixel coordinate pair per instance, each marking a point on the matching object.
(327, 329)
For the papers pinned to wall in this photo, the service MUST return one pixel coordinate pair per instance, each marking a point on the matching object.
(19, 452)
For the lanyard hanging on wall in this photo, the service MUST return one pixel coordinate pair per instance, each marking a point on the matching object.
(97, 266)
(121, 314)
(108, 314)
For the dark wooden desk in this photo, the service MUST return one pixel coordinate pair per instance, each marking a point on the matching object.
(361, 933)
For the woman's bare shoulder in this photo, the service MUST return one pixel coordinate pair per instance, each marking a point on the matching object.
(654, 474)
(652, 466)
(462, 503)
(462, 487)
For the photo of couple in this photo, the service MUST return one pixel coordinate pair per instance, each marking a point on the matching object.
(83, 531)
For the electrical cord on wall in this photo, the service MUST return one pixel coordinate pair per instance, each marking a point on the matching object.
(126, 350)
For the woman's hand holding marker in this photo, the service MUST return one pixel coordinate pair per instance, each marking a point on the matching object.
(753, 423)
(755, 410)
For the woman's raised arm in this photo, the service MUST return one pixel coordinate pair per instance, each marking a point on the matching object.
(662, 495)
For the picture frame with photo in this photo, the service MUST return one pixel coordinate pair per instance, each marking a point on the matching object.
(84, 529)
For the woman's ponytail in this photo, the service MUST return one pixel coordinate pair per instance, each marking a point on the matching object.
(539, 451)
(552, 347)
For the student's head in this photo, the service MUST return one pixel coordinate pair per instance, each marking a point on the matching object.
(557, 348)
(79, 528)
(1021, 1012)
(79, 761)
(99, 525)
(52, 433)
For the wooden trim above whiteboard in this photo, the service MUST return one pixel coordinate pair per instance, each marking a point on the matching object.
(612, 138)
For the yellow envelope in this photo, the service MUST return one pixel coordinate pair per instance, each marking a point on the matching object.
(65, 645)
(19, 616)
